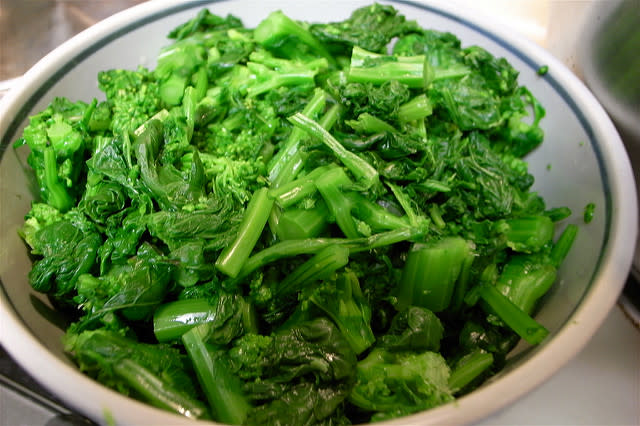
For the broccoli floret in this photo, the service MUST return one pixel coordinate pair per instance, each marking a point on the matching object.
(133, 96)
(39, 216)
(58, 138)
(394, 384)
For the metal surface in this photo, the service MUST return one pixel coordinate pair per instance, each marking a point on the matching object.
(25, 402)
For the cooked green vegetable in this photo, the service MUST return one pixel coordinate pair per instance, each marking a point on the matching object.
(298, 223)
(589, 211)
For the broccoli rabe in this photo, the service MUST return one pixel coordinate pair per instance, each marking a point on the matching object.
(304, 370)
(58, 138)
(157, 373)
(393, 384)
(296, 223)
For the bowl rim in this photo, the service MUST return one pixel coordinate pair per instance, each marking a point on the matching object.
(610, 275)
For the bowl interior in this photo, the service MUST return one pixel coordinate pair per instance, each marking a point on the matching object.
(573, 167)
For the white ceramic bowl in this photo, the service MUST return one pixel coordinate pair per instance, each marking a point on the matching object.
(581, 161)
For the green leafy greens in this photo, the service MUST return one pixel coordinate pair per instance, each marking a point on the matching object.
(299, 223)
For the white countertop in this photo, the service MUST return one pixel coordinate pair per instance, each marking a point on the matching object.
(601, 386)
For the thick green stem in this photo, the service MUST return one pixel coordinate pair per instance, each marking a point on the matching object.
(330, 186)
(292, 145)
(172, 89)
(156, 391)
(469, 368)
(189, 105)
(364, 172)
(436, 216)
(55, 192)
(330, 117)
(561, 248)
(524, 280)
(313, 245)
(369, 67)
(298, 224)
(369, 124)
(232, 258)
(172, 320)
(295, 191)
(222, 389)
(201, 83)
(515, 318)
(527, 234)
(319, 267)
(462, 285)
(431, 272)
(376, 216)
(416, 109)
(276, 80)
(289, 170)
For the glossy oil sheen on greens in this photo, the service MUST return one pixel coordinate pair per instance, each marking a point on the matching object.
(298, 223)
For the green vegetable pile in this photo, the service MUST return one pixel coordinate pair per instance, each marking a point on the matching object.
(296, 223)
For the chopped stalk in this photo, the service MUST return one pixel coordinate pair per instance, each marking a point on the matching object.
(298, 224)
(157, 392)
(201, 83)
(222, 389)
(436, 216)
(58, 195)
(319, 267)
(295, 191)
(172, 89)
(431, 273)
(376, 216)
(232, 258)
(524, 280)
(468, 368)
(416, 109)
(369, 67)
(330, 186)
(313, 245)
(561, 248)
(364, 172)
(368, 124)
(276, 80)
(527, 234)
(189, 105)
(515, 318)
(292, 145)
(172, 320)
